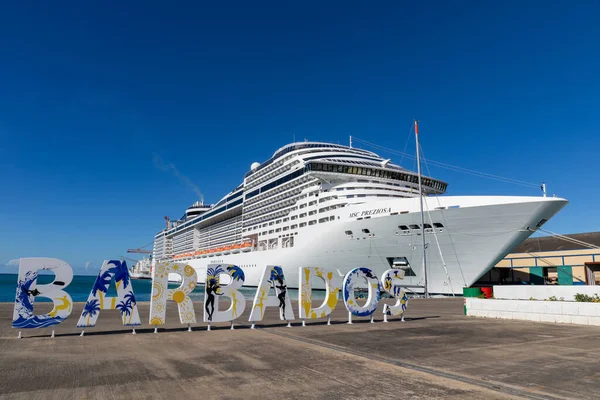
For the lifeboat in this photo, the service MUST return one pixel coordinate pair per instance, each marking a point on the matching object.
(219, 251)
(236, 248)
(227, 249)
(246, 247)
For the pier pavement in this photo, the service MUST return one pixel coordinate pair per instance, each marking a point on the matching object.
(436, 353)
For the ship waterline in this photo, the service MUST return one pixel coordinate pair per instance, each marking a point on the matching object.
(336, 207)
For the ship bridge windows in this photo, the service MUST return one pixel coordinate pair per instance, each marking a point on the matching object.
(366, 231)
(438, 225)
(427, 226)
(414, 226)
(349, 233)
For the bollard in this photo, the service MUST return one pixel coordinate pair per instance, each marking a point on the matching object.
(349, 317)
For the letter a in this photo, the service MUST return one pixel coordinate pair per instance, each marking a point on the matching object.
(28, 290)
(97, 300)
(214, 290)
(332, 287)
(161, 293)
(272, 277)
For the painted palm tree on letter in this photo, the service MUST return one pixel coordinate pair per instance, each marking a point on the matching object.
(101, 285)
(91, 308)
(126, 307)
(121, 273)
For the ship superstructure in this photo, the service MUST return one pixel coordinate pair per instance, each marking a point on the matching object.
(339, 207)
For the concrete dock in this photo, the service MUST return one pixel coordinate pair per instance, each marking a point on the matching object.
(436, 353)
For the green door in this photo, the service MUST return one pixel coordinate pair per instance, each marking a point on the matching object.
(536, 275)
(565, 275)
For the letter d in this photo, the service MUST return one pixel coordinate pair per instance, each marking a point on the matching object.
(28, 290)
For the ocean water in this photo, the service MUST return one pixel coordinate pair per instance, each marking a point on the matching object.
(79, 289)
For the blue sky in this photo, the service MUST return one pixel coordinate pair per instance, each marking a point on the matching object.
(93, 94)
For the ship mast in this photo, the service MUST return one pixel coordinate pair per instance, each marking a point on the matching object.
(421, 199)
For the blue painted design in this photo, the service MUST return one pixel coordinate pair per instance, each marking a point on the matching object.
(212, 274)
(120, 272)
(236, 273)
(350, 282)
(276, 272)
(24, 306)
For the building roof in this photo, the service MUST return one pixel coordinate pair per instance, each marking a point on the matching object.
(553, 243)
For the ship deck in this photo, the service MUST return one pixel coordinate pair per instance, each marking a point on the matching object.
(436, 353)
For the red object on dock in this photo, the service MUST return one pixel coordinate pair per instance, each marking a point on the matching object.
(488, 291)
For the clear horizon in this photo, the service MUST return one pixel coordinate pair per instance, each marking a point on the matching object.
(112, 117)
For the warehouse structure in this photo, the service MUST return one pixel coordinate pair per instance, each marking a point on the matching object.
(569, 260)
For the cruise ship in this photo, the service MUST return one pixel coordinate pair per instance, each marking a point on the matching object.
(339, 207)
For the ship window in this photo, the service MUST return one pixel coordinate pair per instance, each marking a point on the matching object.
(278, 221)
(332, 218)
(278, 230)
(438, 225)
(348, 232)
(312, 222)
(302, 215)
(285, 219)
(302, 205)
(285, 228)
(294, 226)
(303, 224)
(366, 231)
(271, 231)
(264, 233)
(338, 189)
(294, 217)
(427, 226)
(413, 226)
(403, 227)
(312, 203)
(312, 212)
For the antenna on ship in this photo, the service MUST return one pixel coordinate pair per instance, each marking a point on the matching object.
(544, 188)
(422, 214)
(350, 141)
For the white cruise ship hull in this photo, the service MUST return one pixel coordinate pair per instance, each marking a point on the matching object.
(477, 232)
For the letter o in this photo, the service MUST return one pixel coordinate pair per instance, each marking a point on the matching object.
(352, 278)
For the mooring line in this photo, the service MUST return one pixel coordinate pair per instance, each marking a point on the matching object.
(494, 386)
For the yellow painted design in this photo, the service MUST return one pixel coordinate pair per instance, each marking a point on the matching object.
(66, 305)
(234, 302)
(261, 301)
(329, 276)
(188, 270)
(156, 321)
(113, 303)
(332, 299)
(323, 314)
(313, 315)
(178, 296)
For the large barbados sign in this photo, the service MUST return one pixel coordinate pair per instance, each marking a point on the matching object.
(272, 280)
